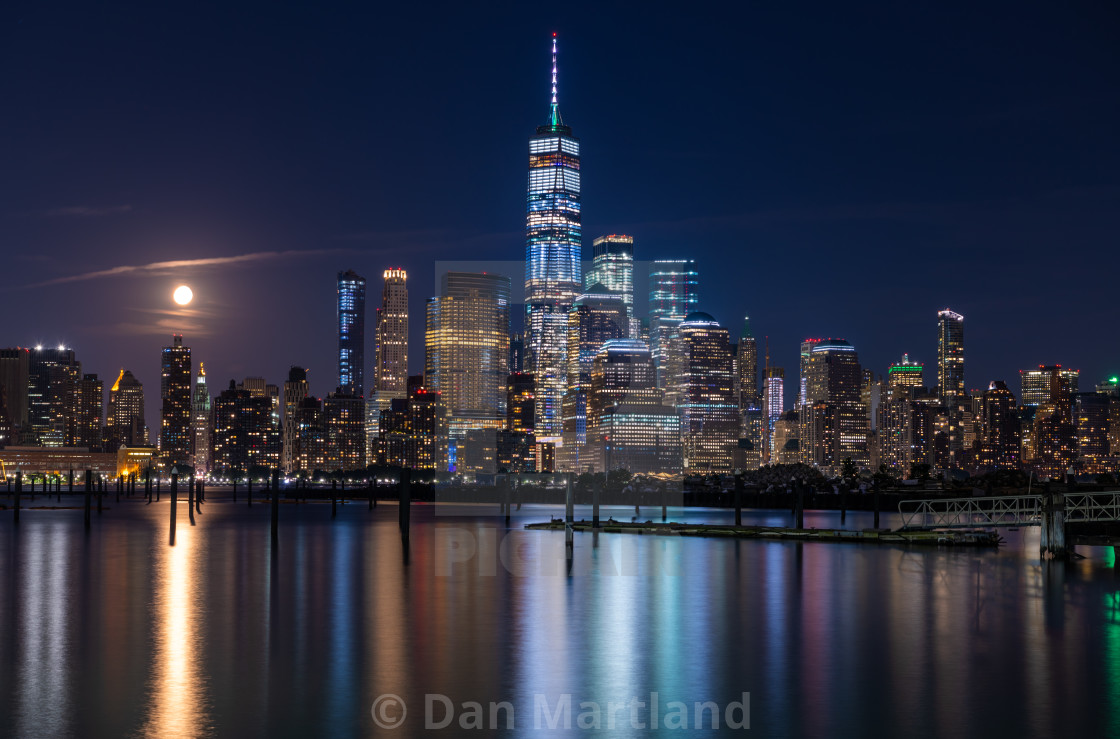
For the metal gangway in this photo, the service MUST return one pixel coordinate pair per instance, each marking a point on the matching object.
(1005, 510)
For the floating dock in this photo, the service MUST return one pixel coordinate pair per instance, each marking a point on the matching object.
(866, 536)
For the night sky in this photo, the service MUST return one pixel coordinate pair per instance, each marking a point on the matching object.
(836, 169)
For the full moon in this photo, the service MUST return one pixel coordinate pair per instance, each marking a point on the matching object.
(183, 295)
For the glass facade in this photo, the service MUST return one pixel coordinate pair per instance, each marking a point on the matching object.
(612, 266)
(708, 406)
(351, 332)
(553, 242)
(673, 294)
(391, 333)
(175, 440)
(950, 356)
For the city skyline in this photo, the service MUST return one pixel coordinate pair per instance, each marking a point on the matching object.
(64, 230)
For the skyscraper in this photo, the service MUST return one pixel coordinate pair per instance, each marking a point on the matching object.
(552, 256)
(612, 266)
(351, 332)
(673, 294)
(200, 420)
(748, 368)
(14, 365)
(950, 357)
(708, 406)
(52, 379)
(999, 446)
(833, 419)
(593, 320)
(806, 351)
(295, 391)
(467, 346)
(392, 334)
(124, 420)
(1035, 385)
(773, 404)
(175, 438)
(245, 435)
(90, 402)
(344, 421)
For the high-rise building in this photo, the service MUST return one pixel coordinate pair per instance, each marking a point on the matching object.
(747, 356)
(200, 421)
(1091, 414)
(351, 332)
(552, 257)
(904, 375)
(124, 419)
(787, 439)
(392, 333)
(52, 380)
(88, 429)
(1035, 385)
(296, 389)
(1111, 389)
(802, 381)
(1054, 435)
(593, 320)
(999, 446)
(246, 431)
(175, 396)
(427, 427)
(466, 362)
(344, 421)
(950, 357)
(622, 374)
(708, 406)
(833, 419)
(520, 399)
(14, 366)
(773, 404)
(612, 266)
(309, 450)
(674, 292)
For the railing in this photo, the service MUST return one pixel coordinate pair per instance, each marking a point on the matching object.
(972, 513)
(1093, 506)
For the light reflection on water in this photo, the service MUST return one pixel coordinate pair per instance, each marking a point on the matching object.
(116, 633)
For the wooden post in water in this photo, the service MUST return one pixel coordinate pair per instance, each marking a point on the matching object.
(19, 493)
(275, 505)
(369, 486)
(569, 501)
(664, 502)
(174, 499)
(190, 499)
(89, 482)
(404, 493)
(120, 484)
(595, 504)
(159, 481)
(738, 495)
(334, 498)
(249, 489)
(1052, 542)
(100, 491)
(235, 488)
(799, 495)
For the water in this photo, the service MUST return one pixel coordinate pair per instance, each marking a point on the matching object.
(113, 632)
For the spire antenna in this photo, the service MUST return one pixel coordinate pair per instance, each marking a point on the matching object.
(554, 114)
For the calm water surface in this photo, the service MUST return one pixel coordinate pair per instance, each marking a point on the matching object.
(115, 633)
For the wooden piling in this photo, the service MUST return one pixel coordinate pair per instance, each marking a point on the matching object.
(19, 493)
(569, 501)
(88, 485)
(595, 505)
(174, 499)
(738, 499)
(100, 492)
(506, 499)
(275, 506)
(190, 500)
(404, 493)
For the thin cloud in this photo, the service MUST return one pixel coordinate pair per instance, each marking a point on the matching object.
(88, 210)
(156, 267)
